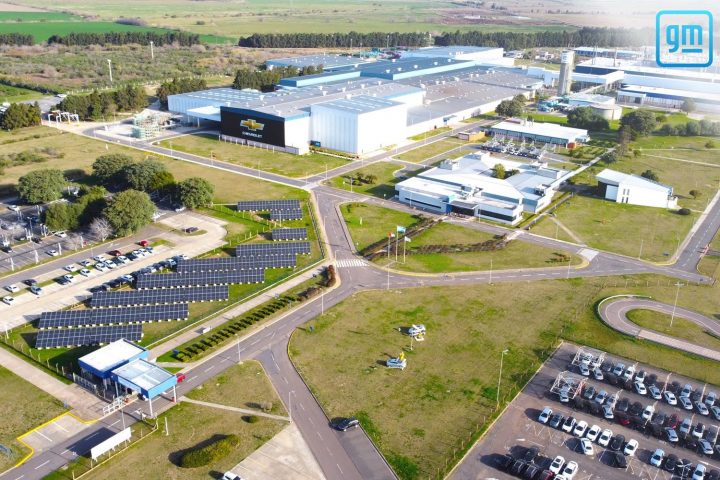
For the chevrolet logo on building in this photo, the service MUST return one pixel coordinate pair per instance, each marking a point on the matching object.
(251, 124)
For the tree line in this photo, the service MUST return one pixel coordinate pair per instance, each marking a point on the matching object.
(264, 80)
(20, 115)
(16, 39)
(334, 40)
(178, 85)
(593, 36)
(184, 39)
(97, 104)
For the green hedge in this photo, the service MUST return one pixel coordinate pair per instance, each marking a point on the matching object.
(210, 453)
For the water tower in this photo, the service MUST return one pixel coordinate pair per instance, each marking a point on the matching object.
(567, 61)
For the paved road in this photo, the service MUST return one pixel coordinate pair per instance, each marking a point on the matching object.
(614, 313)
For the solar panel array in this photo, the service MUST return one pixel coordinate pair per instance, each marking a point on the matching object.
(196, 279)
(157, 297)
(260, 249)
(289, 234)
(94, 316)
(75, 337)
(268, 205)
(285, 215)
(235, 263)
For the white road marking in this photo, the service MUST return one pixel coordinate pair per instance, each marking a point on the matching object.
(341, 472)
(42, 464)
(44, 436)
(192, 378)
(114, 423)
(209, 368)
(21, 476)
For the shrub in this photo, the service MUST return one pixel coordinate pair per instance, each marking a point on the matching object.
(710, 144)
(251, 418)
(684, 211)
(210, 453)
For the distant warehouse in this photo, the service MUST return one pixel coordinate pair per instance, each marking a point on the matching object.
(541, 132)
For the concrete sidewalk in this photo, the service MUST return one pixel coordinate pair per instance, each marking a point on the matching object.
(244, 307)
(235, 409)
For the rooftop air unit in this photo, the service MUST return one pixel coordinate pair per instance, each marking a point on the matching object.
(434, 63)
(415, 66)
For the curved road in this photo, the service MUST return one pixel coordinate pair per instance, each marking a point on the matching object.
(614, 313)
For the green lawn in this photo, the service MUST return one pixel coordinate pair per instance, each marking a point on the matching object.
(682, 148)
(434, 149)
(274, 162)
(516, 254)
(190, 425)
(368, 224)
(384, 187)
(430, 133)
(419, 416)
(22, 408)
(621, 228)
(710, 265)
(14, 94)
(681, 328)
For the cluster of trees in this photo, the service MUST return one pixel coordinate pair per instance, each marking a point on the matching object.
(41, 186)
(691, 128)
(601, 37)
(638, 123)
(178, 85)
(16, 39)
(183, 39)
(335, 40)
(97, 104)
(511, 108)
(20, 115)
(584, 117)
(264, 80)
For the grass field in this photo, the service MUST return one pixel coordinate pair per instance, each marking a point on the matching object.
(710, 265)
(420, 415)
(241, 386)
(432, 150)
(429, 133)
(368, 224)
(14, 94)
(681, 328)
(20, 415)
(190, 425)
(274, 162)
(384, 187)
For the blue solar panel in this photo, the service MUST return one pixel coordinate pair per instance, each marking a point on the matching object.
(93, 316)
(193, 279)
(159, 297)
(289, 234)
(285, 248)
(267, 205)
(235, 263)
(76, 337)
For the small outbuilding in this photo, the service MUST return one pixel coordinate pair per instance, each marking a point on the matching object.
(635, 190)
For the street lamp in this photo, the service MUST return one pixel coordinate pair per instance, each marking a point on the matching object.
(677, 294)
(110, 69)
(502, 355)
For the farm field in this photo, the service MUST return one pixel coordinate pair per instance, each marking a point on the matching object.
(468, 329)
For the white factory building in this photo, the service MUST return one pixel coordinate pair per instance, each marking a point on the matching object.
(467, 186)
(634, 190)
(529, 130)
(362, 108)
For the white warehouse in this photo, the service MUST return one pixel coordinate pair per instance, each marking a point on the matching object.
(634, 190)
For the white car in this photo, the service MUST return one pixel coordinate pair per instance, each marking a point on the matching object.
(545, 415)
(598, 374)
(715, 411)
(601, 397)
(648, 412)
(70, 268)
(629, 372)
(608, 412)
(86, 263)
(640, 377)
(123, 259)
(710, 399)
(631, 447)
(655, 392)
(702, 408)
(8, 300)
(611, 401)
(640, 388)
(12, 288)
(619, 369)
(53, 253)
(584, 370)
(69, 277)
(14, 208)
(586, 447)
(569, 471)
(231, 476)
(99, 258)
(685, 403)
(699, 473)
(557, 464)
(593, 433)
(85, 272)
(101, 267)
(580, 428)
(670, 397)
(61, 234)
(657, 458)
(605, 437)
(110, 265)
(686, 391)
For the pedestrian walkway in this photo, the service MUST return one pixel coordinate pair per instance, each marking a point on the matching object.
(565, 229)
(351, 262)
(235, 409)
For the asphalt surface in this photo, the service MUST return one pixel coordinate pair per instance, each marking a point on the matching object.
(352, 454)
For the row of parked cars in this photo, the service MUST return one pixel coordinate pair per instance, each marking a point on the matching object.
(528, 464)
(129, 279)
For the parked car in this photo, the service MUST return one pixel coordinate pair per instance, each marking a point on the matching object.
(715, 410)
(608, 413)
(655, 392)
(556, 420)
(605, 437)
(619, 369)
(705, 446)
(544, 416)
(685, 403)
(601, 397)
(115, 253)
(586, 447)
(557, 464)
(598, 374)
(36, 290)
(629, 372)
(657, 458)
(569, 471)
(584, 370)
(618, 460)
(85, 272)
(86, 263)
(12, 288)
(344, 424)
(8, 300)
(671, 435)
(671, 463)
(686, 391)
(685, 426)
(631, 447)
(580, 428)
(593, 433)
(569, 424)
(640, 376)
(699, 473)
(143, 243)
(648, 412)
(99, 258)
(100, 266)
(52, 252)
(670, 397)
(617, 443)
(702, 408)
(640, 388)
(710, 399)
(589, 392)
(699, 429)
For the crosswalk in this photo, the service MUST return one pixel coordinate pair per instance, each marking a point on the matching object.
(350, 263)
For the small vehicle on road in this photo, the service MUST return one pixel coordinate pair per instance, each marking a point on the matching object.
(345, 424)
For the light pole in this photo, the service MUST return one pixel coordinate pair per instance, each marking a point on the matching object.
(152, 51)
(502, 355)
(110, 69)
(388, 274)
(677, 294)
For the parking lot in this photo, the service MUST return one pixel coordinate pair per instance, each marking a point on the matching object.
(519, 429)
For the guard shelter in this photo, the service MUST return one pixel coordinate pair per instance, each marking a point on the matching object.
(103, 361)
(145, 378)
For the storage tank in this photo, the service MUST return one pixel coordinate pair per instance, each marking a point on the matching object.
(567, 62)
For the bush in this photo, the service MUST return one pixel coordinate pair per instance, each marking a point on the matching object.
(251, 418)
(710, 144)
(684, 211)
(210, 453)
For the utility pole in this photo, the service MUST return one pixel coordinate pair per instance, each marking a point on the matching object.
(502, 355)
(110, 69)
(677, 294)
(152, 51)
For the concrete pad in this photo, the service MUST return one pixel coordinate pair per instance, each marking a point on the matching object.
(286, 456)
(53, 433)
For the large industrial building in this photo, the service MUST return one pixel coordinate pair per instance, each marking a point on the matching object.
(360, 108)
(467, 186)
(553, 133)
(634, 190)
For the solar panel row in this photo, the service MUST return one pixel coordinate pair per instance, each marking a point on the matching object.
(289, 234)
(285, 215)
(235, 263)
(158, 297)
(267, 205)
(93, 316)
(193, 279)
(76, 337)
(258, 249)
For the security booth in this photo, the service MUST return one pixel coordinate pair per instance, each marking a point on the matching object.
(146, 379)
(97, 366)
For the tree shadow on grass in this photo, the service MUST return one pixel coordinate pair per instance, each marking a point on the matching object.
(176, 456)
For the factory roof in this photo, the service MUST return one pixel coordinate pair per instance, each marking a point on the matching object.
(591, 98)
(615, 177)
(602, 51)
(413, 66)
(451, 51)
(359, 104)
(651, 69)
(671, 93)
(111, 355)
(328, 61)
(543, 129)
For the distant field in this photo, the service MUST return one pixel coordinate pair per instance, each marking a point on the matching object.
(15, 94)
(19, 17)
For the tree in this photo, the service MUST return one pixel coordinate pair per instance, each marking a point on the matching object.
(129, 211)
(41, 186)
(609, 157)
(695, 193)
(139, 176)
(637, 153)
(709, 144)
(499, 170)
(62, 216)
(623, 141)
(100, 228)
(688, 105)
(163, 182)
(640, 122)
(520, 98)
(195, 192)
(92, 202)
(109, 169)
(584, 117)
(20, 115)
(509, 108)
(667, 130)
(692, 128)
(650, 175)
